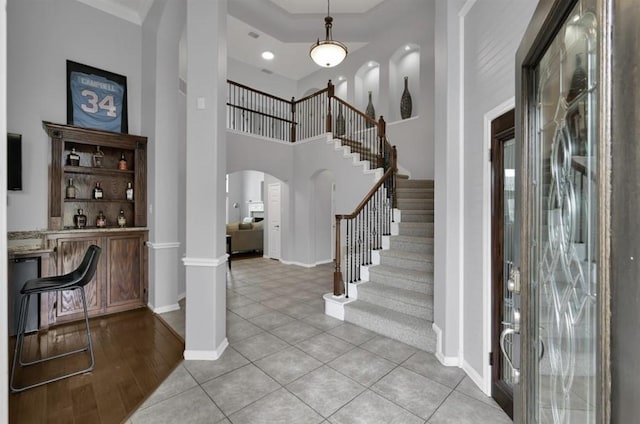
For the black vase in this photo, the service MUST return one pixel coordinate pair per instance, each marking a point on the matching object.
(406, 105)
(340, 123)
(370, 112)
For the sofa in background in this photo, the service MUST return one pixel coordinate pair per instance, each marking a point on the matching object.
(246, 237)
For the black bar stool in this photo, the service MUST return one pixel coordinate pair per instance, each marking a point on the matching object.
(75, 280)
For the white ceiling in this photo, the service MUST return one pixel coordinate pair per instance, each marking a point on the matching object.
(291, 59)
(285, 27)
(320, 6)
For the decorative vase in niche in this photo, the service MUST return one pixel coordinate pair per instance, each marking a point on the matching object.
(406, 105)
(370, 111)
(340, 123)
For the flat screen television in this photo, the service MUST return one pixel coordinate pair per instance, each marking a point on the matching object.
(14, 161)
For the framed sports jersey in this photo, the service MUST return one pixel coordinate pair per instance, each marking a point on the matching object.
(96, 98)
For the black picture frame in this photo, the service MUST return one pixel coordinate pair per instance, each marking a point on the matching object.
(96, 98)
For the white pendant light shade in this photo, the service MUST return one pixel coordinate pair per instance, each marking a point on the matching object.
(328, 53)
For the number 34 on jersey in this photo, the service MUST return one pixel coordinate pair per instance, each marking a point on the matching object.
(97, 101)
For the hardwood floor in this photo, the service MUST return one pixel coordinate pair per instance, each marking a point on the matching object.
(134, 352)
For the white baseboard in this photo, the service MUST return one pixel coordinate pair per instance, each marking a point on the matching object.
(168, 308)
(448, 361)
(297, 263)
(206, 355)
(182, 296)
(475, 377)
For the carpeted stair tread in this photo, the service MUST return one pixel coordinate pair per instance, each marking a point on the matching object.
(409, 302)
(402, 183)
(416, 215)
(414, 256)
(381, 273)
(416, 229)
(414, 193)
(415, 204)
(408, 246)
(408, 329)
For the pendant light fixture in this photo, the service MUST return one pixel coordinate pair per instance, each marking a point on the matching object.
(328, 53)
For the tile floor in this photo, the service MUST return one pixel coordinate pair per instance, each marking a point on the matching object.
(290, 363)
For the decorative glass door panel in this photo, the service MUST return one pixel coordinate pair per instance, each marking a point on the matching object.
(563, 225)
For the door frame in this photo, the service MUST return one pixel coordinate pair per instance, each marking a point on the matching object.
(502, 129)
(543, 27)
(487, 290)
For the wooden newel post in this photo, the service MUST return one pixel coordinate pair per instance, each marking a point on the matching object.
(293, 119)
(338, 285)
(330, 94)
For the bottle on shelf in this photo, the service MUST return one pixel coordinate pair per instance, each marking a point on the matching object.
(122, 163)
(122, 220)
(73, 159)
(97, 191)
(101, 220)
(97, 157)
(70, 192)
(80, 219)
(129, 191)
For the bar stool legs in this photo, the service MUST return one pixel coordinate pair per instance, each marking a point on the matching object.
(17, 354)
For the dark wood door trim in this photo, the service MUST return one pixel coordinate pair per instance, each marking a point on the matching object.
(502, 129)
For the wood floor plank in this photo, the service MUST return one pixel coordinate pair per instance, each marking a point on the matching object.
(134, 353)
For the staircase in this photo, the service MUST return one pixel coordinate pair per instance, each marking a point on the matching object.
(395, 296)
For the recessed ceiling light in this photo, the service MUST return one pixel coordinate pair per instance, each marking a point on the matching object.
(267, 55)
(407, 47)
(340, 78)
(371, 64)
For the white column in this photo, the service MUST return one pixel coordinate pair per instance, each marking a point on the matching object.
(205, 175)
(448, 178)
(160, 122)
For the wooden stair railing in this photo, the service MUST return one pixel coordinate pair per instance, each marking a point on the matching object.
(259, 113)
(365, 227)
(256, 112)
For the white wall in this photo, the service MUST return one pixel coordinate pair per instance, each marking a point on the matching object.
(323, 216)
(492, 34)
(296, 165)
(41, 36)
(245, 187)
(251, 76)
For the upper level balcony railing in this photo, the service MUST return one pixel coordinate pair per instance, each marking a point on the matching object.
(259, 113)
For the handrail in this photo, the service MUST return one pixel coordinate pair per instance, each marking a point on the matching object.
(246, 109)
(367, 197)
(271, 116)
(246, 87)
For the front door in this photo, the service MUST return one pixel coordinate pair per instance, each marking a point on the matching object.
(503, 160)
(557, 284)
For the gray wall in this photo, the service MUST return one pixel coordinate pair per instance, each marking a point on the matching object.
(41, 36)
